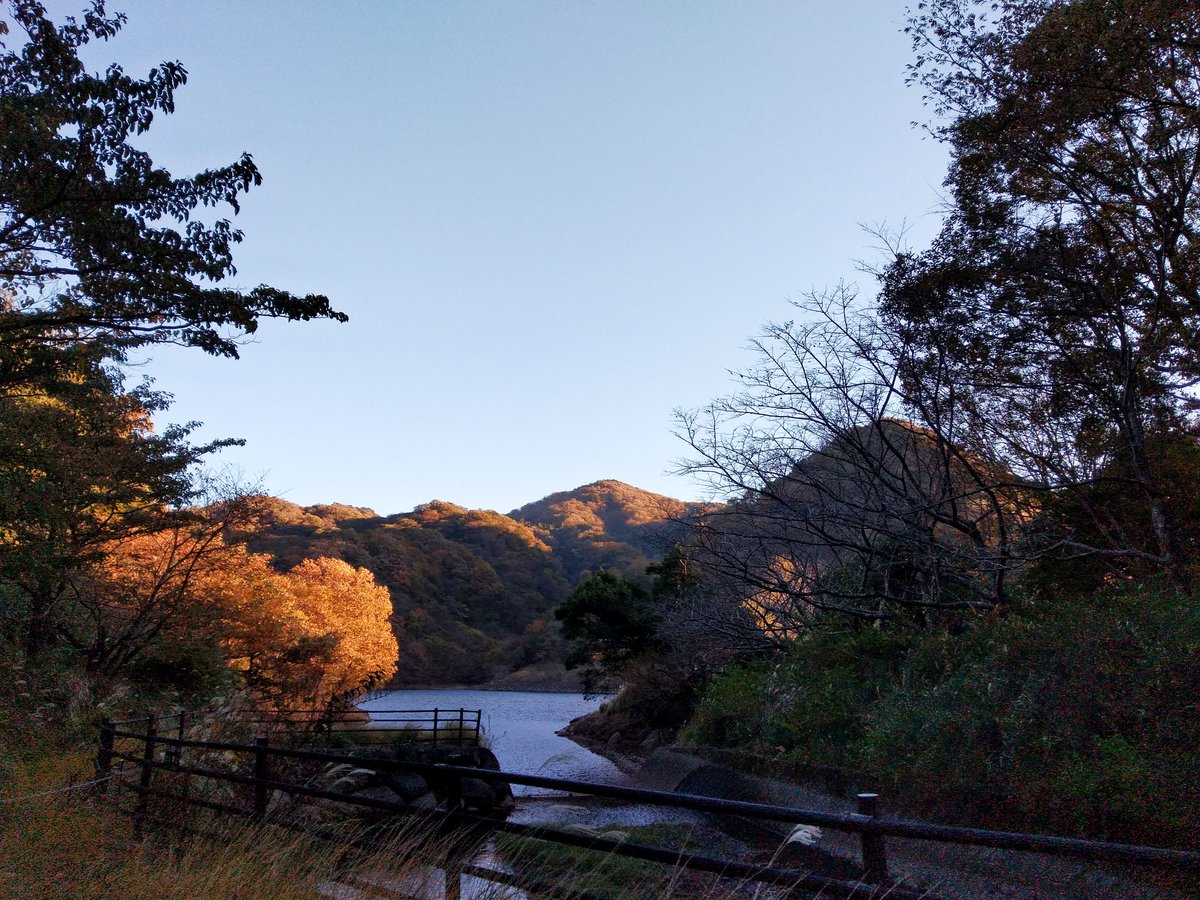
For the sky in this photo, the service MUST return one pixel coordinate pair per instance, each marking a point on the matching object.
(551, 223)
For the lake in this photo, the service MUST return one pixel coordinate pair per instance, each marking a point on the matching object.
(520, 727)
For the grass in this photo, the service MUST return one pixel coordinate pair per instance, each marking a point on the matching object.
(575, 871)
(63, 845)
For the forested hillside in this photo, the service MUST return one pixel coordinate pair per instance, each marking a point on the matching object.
(473, 589)
(607, 525)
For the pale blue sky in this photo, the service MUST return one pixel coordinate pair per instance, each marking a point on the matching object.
(550, 223)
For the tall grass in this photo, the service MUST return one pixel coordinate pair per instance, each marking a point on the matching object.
(68, 845)
(65, 845)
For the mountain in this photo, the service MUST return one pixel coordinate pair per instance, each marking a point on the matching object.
(608, 525)
(473, 590)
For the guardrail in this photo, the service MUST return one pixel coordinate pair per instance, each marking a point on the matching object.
(160, 753)
(460, 727)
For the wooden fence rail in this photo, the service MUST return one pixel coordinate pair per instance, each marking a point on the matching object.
(158, 752)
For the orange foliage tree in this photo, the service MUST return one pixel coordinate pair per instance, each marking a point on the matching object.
(320, 630)
(333, 598)
(145, 589)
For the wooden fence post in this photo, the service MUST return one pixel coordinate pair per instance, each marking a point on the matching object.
(435, 726)
(104, 755)
(261, 773)
(874, 852)
(460, 726)
(147, 775)
(174, 754)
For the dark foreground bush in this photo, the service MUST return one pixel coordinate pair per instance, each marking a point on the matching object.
(1078, 716)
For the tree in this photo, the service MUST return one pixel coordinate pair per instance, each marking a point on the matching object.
(318, 631)
(1023, 389)
(335, 598)
(101, 251)
(849, 497)
(1059, 309)
(96, 241)
(148, 585)
(609, 621)
(81, 469)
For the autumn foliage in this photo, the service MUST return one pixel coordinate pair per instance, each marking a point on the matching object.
(181, 597)
(319, 630)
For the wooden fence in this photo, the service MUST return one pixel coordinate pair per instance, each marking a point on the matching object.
(151, 750)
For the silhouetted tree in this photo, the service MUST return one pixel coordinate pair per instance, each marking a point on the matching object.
(1059, 309)
(608, 621)
(96, 241)
(848, 497)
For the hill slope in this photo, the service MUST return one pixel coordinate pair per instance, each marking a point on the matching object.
(607, 525)
(473, 590)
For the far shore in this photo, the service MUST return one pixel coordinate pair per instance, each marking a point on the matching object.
(541, 678)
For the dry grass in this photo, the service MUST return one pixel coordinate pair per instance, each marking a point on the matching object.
(65, 846)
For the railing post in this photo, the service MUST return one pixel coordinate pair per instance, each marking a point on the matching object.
(173, 754)
(147, 774)
(460, 726)
(261, 773)
(435, 727)
(874, 852)
(104, 755)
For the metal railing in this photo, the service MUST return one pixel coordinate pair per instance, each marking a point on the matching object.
(160, 753)
(457, 727)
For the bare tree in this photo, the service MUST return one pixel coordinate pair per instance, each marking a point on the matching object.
(848, 496)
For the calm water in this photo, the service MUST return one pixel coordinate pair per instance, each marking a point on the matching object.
(520, 727)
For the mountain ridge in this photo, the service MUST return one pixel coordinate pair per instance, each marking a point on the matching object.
(473, 590)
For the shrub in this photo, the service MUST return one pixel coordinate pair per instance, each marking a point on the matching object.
(1072, 715)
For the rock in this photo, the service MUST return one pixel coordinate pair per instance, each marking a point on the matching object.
(505, 804)
(407, 785)
(279, 802)
(382, 794)
(370, 778)
(478, 795)
(656, 739)
(425, 801)
(486, 759)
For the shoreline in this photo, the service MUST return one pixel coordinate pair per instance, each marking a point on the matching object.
(628, 761)
(491, 688)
